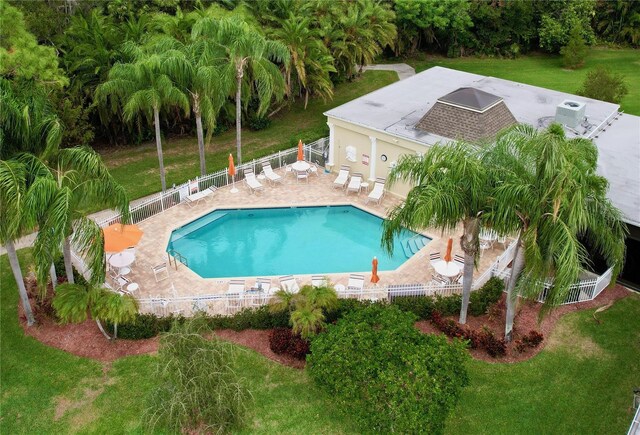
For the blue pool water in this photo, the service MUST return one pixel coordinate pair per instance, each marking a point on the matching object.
(288, 241)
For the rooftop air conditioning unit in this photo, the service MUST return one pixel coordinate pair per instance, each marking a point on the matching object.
(570, 113)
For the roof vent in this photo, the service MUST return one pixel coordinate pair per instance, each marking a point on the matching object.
(570, 113)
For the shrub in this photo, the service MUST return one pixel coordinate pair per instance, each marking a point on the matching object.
(387, 375)
(531, 340)
(489, 294)
(476, 339)
(494, 346)
(602, 84)
(576, 50)
(197, 388)
(283, 341)
(257, 123)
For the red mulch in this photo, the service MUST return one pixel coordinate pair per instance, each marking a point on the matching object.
(525, 321)
(86, 340)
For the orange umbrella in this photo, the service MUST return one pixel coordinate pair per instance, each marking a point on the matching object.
(447, 255)
(232, 167)
(374, 271)
(300, 151)
(118, 237)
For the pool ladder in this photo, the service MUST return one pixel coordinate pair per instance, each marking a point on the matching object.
(176, 257)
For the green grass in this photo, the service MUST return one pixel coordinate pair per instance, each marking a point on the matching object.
(546, 71)
(581, 383)
(136, 168)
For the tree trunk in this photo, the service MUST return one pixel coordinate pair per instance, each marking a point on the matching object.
(101, 328)
(239, 115)
(54, 277)
(200, 134)
(68, 265)
(17, 274)
(469, 243)
(115, 330)
(512, 295)
(156, 121)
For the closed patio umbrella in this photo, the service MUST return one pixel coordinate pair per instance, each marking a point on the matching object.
(374, 271)
(118, 237)
(232, 173)
(447, 255)
(300, 151)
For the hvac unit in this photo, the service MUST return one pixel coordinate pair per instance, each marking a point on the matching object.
(570, 113)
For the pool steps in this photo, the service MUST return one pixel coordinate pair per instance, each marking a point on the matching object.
(413, 245)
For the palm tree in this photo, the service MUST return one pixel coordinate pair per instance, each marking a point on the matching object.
(250, 61)
(195, 67)
(310, 63)
(73, 303)
(549, 193)
(65, 185)
(451, 186)
(143, 87)
(12, 193)
(305, 307)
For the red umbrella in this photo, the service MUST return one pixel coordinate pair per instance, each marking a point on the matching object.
(447, 255)
(232, 167)
(374, 271)
(118, 237)
(300, 151)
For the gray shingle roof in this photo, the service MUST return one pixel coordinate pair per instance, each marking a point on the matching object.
(471, 98)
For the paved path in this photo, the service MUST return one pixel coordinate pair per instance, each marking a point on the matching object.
(404, 71)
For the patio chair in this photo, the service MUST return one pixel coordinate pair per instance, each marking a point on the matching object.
(271, 176)
(289, 283)
(302, 175)
(355, 285)
(319, 280)
(193, 199)
(234, 296)
(434, 257)
(250, 178)
(160, 271)
(313, 169)
(377, 193)
(343, 177)
(355, 183)
(439, 280)
(458, 259)
(121, 282)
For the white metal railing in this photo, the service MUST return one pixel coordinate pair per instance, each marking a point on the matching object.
(162, 201)
(634, 429)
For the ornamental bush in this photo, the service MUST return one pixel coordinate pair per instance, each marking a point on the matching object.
(387, 375)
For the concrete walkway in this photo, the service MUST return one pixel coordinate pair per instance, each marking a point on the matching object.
(404, 71)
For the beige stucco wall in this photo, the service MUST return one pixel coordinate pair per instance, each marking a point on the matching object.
(347, 134)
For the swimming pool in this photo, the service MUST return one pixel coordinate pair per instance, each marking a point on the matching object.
(288, 241)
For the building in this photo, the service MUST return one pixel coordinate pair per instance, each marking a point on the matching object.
(370, 133)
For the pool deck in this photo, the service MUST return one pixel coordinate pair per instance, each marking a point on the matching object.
(183, 282)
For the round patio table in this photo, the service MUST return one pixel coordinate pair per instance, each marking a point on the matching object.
(447, 269)
(301, 166)
(121, 260)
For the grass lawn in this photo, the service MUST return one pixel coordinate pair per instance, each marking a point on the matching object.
(136, 168)
(546, 71)
(581, 383)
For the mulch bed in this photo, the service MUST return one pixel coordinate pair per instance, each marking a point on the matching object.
(86, 340)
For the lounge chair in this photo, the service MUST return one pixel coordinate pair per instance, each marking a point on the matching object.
(160, 272)
(319, 280)
(260, 292)
(250, 178)
(264, 285)
(194, 198)
(355, 285)
(271, 176)
(377, 193)
(234, 295)
(343, 177)
(355, 183)
(289, 283)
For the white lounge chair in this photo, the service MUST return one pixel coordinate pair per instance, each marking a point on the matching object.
(319, 280)
(234, 295)
(377, 193)
(355, 183)
(289, 283)
(355, 285)
(252, 182)
(343, 177)
(194, 198)
(271, 176)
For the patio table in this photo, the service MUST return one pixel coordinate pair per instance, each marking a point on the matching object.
(300, 166)
(447, 269)
(121, 260)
